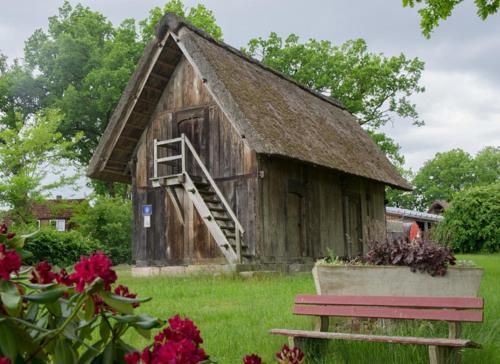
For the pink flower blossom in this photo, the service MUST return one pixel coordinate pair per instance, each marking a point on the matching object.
(42, 273)
(88, 269)
(252, 359)
(290, 356)
(10, 262)
(179, 329)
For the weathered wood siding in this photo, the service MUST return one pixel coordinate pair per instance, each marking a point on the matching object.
(178, 235)
(290, 189)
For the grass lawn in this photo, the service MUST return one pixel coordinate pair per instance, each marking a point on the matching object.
(234, 315)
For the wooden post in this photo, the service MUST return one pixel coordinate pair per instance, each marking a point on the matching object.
(155, 158)
(454, 332)
(183, 153)
(323, 324)
(238, 243)
(442, 355)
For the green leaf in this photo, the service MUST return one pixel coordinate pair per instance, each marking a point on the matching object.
(119, 305)
(37, 286)
(48, 296)
(104, 330)
(88, 356)
(8, 341)
(129, 300)
(107, 357)
(24, 254)
(10, 297)
(89, 309)
(144, 333)
(64, 352)
(11, 303)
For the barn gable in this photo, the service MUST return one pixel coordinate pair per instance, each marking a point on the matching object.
(273, 114)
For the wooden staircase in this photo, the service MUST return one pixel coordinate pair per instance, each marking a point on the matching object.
(208, 200)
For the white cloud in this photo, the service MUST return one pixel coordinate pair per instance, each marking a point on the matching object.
(461, 110)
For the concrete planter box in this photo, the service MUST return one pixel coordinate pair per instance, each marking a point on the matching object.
(370, 280)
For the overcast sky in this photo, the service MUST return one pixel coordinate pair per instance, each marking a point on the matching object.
(461, 105)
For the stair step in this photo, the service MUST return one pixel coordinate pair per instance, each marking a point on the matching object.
(211, 200)
(217, 209)
(206, 193)
(231, 236)
(222, 218)
(225, 227)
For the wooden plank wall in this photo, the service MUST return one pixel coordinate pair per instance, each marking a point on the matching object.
(183, 239)
(322, 227)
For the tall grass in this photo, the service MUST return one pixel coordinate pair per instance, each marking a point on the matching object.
(235, 314)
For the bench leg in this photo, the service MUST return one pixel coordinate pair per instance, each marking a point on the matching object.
(443, 355)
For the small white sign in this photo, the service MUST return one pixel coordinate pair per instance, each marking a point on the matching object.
(147, 221)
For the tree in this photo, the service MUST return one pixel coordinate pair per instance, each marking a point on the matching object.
(27, 153)
(450, 172)
(433, 11)
(442, 176)
(108, 220)
(19, 93)
(487, 165)
(198, 15)
(373, 87)
(472, 223)
(84, 63)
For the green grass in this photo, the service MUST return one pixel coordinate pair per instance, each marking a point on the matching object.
(234, 315)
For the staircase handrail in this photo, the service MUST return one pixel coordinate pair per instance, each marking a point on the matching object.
(212, 183)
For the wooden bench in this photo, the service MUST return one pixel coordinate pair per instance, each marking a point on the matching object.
(453, 310)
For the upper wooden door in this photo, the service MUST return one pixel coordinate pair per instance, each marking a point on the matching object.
(194, 124)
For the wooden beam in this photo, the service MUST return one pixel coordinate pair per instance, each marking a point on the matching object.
(159, 77)
(166, 64)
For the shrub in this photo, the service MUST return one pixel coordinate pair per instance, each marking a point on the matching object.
(418, 255)
(472, 222)
(60, 248)
(108, 220)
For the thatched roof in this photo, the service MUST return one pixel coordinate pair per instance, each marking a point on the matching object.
(275, 114)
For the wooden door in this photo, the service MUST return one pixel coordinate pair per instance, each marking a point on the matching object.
(194, 124)
(294, 225)
(353, 230)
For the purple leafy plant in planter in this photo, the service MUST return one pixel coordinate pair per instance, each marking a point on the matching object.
(419, 255)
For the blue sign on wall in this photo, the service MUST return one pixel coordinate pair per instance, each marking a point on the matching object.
(147, 210)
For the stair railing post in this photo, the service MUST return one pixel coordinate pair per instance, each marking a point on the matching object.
(183, 153)
(237, 234)
(155, 158)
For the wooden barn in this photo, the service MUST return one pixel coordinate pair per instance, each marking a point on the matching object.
(241, 165)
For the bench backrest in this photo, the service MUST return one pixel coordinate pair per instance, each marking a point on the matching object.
(451, 309)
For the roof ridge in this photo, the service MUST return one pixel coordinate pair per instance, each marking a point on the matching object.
(175, 22)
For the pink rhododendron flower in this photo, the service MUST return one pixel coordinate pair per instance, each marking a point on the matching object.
(176, 344)
(178, 352)
(4, 360)
(88, 269)
(64, 278)
(290, 356)
(252, 359)
(42, 273)
(123, 291)
(132, 358)
(179, 329)
(10, 262)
